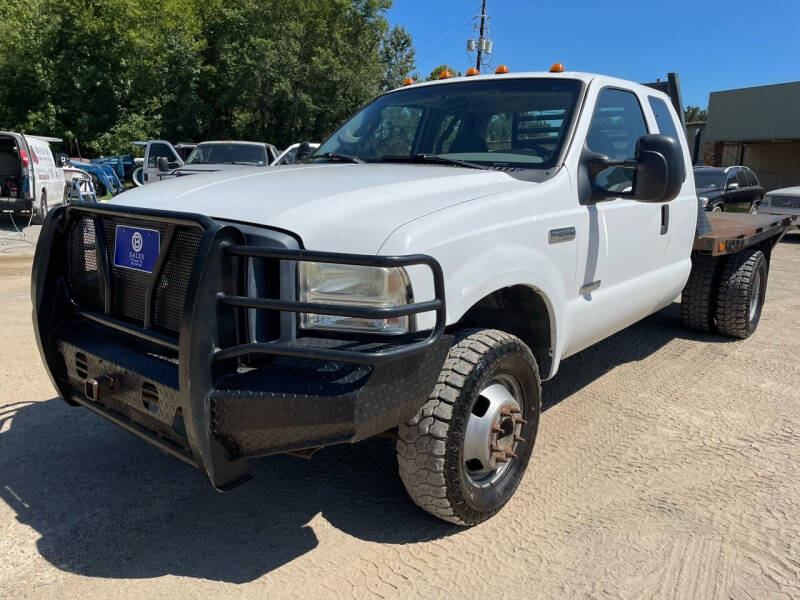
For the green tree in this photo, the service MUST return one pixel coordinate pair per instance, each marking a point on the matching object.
(106, 72)
(441, 69)
(695, 113)
(397, 58)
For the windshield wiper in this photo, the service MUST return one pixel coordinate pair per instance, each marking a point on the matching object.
(433, 159)
(337, 156)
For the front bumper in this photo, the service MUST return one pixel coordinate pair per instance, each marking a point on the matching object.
(217, 394)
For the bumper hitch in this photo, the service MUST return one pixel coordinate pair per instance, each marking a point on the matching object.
(101, 387)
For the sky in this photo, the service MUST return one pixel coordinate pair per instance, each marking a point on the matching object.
(712, 44)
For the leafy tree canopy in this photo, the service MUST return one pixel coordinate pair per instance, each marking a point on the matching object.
(441, 69)
(695, 113)
(108, 72)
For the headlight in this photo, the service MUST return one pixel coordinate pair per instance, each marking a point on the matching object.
(352, 285)
(704, 201)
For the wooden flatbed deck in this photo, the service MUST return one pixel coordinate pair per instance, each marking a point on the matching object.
(732, 232)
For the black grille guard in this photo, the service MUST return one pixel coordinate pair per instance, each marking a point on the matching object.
(212, 341)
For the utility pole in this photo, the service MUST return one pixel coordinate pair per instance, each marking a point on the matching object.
(480, 37)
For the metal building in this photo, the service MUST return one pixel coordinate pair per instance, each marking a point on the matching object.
(758, 127)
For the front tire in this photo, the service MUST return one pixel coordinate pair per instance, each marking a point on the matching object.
(743, 285)
(463, 455)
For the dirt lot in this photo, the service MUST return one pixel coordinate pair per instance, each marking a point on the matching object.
(667, 465)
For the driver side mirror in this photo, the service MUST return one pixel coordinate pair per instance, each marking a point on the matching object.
(656, 173)
(733, 185)
(163, 164)
(61, 159)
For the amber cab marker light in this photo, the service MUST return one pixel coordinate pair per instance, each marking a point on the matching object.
(408, 81)
(445, 75)
(557, 68)
(501, 70)
(472, 71)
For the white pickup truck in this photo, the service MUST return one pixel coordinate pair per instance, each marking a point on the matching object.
(431, 264)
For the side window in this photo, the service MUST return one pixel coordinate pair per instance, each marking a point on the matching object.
(156, 152)
(741, 179)
(731, 178)
(617, 124)
(752, 180)
(666, 126)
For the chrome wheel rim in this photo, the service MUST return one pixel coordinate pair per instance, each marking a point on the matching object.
(493, 431)
(717, 208)
(755, 295)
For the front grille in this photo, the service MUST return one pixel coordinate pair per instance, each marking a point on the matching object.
(784, 201)
(129, 287)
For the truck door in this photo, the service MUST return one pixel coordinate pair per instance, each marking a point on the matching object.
(679, 216)
(156, 149)
(620, 279)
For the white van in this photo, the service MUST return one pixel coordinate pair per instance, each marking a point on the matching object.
(30, 180)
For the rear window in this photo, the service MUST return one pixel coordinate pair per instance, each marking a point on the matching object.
(666, 126)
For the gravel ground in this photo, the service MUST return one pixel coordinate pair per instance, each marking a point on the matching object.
(667, 465)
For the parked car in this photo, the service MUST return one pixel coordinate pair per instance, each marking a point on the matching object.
(440, 255)
(720, 187)
(30, 180)
(785, 201)
(163, 161)
(289, 156)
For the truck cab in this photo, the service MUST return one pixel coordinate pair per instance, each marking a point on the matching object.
(419, 277)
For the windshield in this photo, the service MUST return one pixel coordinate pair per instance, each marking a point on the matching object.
(712, 180)
(228, 154)
(519, 123)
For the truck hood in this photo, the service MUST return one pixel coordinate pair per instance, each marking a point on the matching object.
(204, 168)
(334, 207)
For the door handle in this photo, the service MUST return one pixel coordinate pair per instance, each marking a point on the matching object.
(664, 218)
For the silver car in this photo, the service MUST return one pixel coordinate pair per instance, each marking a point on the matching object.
(785, 201)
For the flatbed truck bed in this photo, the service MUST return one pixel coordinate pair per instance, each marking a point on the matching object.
(733, 232)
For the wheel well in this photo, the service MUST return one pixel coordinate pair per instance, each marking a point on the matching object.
(520, 311)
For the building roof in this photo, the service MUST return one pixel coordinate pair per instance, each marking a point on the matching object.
(762, 113)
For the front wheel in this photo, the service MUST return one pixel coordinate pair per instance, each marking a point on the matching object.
(754, 207)
(463, 455)
(717, 208)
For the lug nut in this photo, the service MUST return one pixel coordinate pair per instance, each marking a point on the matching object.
(511, 454)
(519, 439)
(493, 448)
(497, 430)
(520, 420)
(515, 411)
(501, 459)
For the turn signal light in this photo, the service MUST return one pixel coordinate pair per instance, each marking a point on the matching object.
(472, 71)
(557, 68)
(445, 75)
(408, 81)
(501, 70)
(23, 154)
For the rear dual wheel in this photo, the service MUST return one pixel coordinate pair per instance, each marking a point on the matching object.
(725, 294)
(463, 455)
